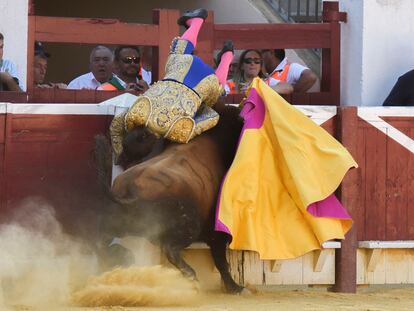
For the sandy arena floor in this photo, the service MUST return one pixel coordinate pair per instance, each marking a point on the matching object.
(310, 300)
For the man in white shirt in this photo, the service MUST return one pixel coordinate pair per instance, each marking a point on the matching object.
(278, 67)
(8, 72)
(101, 66)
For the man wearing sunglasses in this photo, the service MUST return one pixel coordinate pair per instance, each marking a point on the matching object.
(129, 73)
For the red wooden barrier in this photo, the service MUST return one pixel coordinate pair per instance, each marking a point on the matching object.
(386, 177)
(109, 31)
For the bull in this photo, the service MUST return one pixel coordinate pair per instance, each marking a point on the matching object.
(170, 196)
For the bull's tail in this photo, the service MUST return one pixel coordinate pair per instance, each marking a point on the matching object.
(103, 161)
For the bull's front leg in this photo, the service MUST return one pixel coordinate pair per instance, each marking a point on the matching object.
(218, 247)
(174, 257)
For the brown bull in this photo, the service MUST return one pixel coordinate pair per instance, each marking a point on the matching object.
(170, 198)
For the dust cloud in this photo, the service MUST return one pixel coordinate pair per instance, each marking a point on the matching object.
(138, 286)
(44, 268)
(40, 265)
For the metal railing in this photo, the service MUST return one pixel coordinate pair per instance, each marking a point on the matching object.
(298, 11)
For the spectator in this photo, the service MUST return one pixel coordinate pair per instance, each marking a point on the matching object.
(232, 70)
(402, 94)
(40, 68)
(8, 72)
(127, 64)
(249, 67)
(278, 67)
(146, 59)
(101, 66)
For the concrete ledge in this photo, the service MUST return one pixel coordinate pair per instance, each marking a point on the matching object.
(331, 244)
(386, 244)
(328, 244)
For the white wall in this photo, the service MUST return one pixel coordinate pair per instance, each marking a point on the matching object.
(377, 48)
(13, 25)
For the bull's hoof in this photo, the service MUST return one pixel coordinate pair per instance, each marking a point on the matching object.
(246, 292)
(234, 289)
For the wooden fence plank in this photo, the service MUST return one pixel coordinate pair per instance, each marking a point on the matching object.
(361, 160)
(397, 161)
(168, 29)
(410, 188)
(375, 151)
(205, 45)
(94, 31)
(270, 36)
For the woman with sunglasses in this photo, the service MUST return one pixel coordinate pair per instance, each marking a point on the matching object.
(251, 66)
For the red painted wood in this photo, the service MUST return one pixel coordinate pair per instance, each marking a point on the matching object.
(410, 192)
(330, 125)
(300, 99)
(345, 257)
(2, 142)
(270, 36)
(2, 128)
(335, 65)
(13, 97)
(2, 183)
(403, 124)
(31, 7)
(331, 12)
(95, 31)
(168, 29)
(85, 96)
(108, 31)
(359, 213)
(396, 197)
(205, 44)
(387, 174)
(56, 128)
(31, 37)
(51, 156)
(375, 187)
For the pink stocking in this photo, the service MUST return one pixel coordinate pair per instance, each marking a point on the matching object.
(223, 68)
(191, 33)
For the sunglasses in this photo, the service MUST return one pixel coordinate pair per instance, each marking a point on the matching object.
(130, 60)
(252, 60)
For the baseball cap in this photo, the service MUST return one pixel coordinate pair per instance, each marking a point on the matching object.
(39, 50)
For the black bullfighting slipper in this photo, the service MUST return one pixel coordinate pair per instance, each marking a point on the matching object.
(227, 46)
(182, 21)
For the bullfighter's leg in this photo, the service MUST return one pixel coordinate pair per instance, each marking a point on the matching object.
(224, 59)
(218, 247)
(193, 21)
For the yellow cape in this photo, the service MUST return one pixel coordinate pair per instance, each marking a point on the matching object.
(278, 171)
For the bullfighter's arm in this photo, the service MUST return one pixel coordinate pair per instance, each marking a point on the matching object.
(117, 132)
(205, 119)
